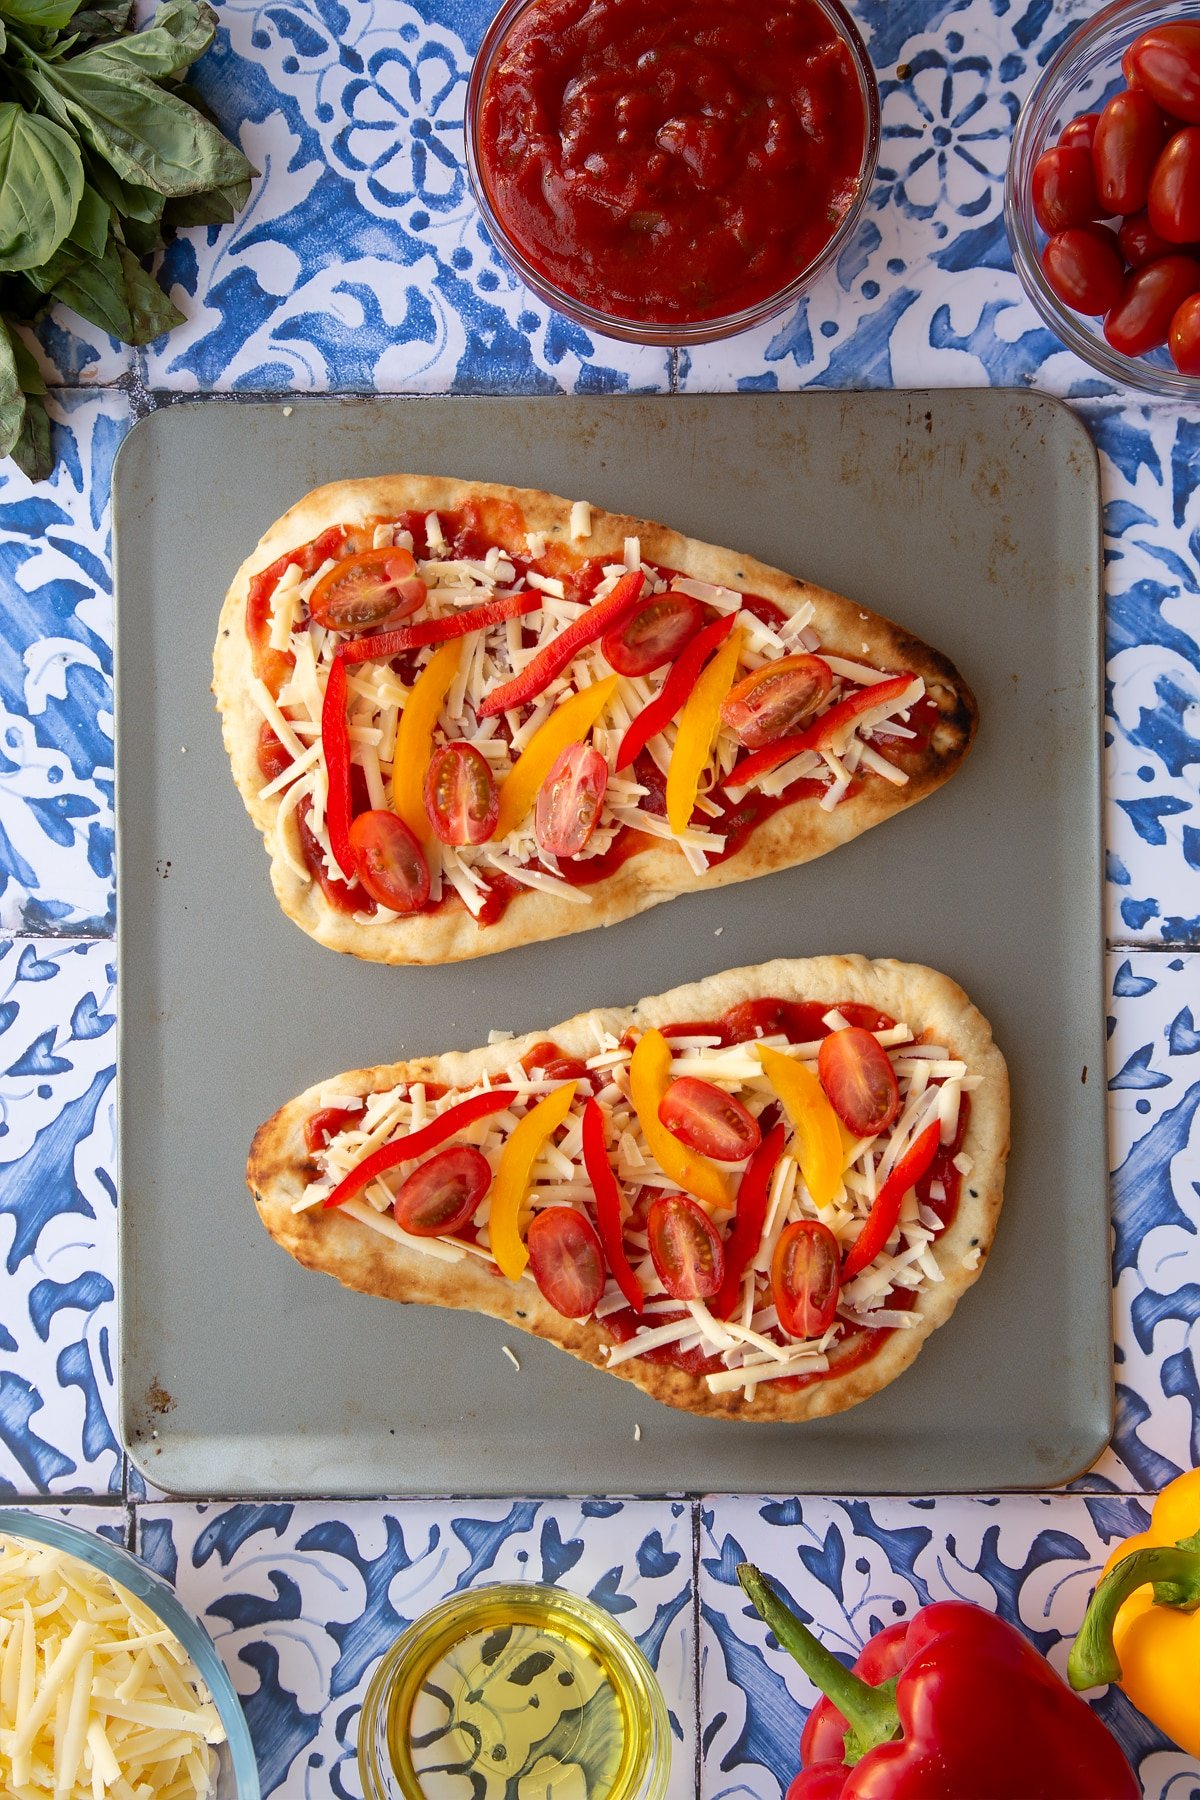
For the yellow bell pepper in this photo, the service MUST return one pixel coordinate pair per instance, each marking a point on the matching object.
(1142, 1628)
(571, 720)
(414, 738)
(649, 1079)
(819, 1141)
(699, 723)
(513, 1174)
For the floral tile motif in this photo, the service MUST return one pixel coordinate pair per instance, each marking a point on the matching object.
(360, 262)
(57, 1219)
(303, 1599)
(851, 1568)
(56, 701)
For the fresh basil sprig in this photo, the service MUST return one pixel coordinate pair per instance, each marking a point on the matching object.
(103, 152)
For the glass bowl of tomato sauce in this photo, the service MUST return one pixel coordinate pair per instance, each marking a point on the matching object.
(1081, 79)
(671, 171)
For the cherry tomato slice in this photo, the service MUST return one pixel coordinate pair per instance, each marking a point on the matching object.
(806, 1278)
(461, 796)
(1078, 135)
(1165, 61)
(1128, 139)
(1149, 301)
(1084, 267)
(1064, 188)
(1139, 243)
(567, 1260)
(778, 698)
(569, 800)
(1174, 199)
(653, 636)
(389, 862)
(1183, 339)
(440, 1196)
(859, 1081)
(685, 1248)
(367, 592)
(709, 1120)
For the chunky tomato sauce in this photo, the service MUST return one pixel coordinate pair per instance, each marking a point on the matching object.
(671, 160)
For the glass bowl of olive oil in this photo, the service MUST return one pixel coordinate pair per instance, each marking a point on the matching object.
(514, 1692)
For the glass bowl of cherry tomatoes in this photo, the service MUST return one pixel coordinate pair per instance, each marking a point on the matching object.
(1102, 198)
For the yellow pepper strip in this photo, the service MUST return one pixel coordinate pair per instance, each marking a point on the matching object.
(699, 723)
(649, 1079)
(1149, 1644)
(512, 1177)
(414, 738)
(570, 721)
(819, 1142)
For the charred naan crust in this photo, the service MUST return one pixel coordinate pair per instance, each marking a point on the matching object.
(795, 834)
(279, 1170)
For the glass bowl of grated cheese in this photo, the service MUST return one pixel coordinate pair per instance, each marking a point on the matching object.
(108, 1685)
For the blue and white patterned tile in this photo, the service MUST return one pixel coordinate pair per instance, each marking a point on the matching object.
(111, 1522)
(56, 699)
(303, 1599)
(57, 1220)
(851, 1568)
(360, 261)
(72, 353)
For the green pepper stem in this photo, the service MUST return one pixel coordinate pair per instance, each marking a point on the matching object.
(1174, 1569)
(871, 1712)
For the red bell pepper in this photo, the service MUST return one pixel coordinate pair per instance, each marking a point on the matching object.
(674, 691)
(819, 735)
(742, 1243)
(880, 1222)
(608, 1205)
(385, 644)
(335, 745)
(604, 615)
(390, 1156)
(962, 1707)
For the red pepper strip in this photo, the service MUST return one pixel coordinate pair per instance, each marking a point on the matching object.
(885, 1209)
(603, 616)
(335, 745)
(390, 1156)
(438, 631)
(817, 736)
(608, 1205)
(743, 1241)
(674, 691)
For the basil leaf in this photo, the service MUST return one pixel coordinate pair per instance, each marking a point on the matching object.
(96, 291)
(143, 239)
(12, 400)
(28, 373)
(33, 451)
(41, 183)
(124, 197)
(102, 22)
(3, 38)
(151, 311)
(42, 15)
(90, 230)
(179, 32)
(215, 206)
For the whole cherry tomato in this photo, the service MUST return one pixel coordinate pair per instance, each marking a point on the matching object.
(389, 862)
(1140, 243)
(569, 800)
(653, 636)
(441, 1194)
(567, 1260)
(367, 592)
(707, 1119)
(1128, 138)
(806, 1278)
(1165, 61)
(778, 698)
(1174, 198)
(1149, 301)
(1064, 188)
(1079, 134)
(461, 797)
(1083, 265)
(1183, 339)
(685, 1248)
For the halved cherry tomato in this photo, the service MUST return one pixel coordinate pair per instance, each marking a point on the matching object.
(1064, 188)
(859, 1081)
(1173, 202)
(1128, 138)
(1139, 242)
(389, 861)
(1183, 339)
(1084, 267)
(461, 796)
(273, 759)
(806, 1278)
(569, 800)
(567, 1260)
(367, 592)
(1166, 62)
(441, 1195)
(776, 699)
(707, 1119)
(1149, 301)
(1078, 135)
(685, 1248)
(654, 635)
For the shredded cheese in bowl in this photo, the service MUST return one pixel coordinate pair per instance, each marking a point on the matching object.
(109, 1690)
